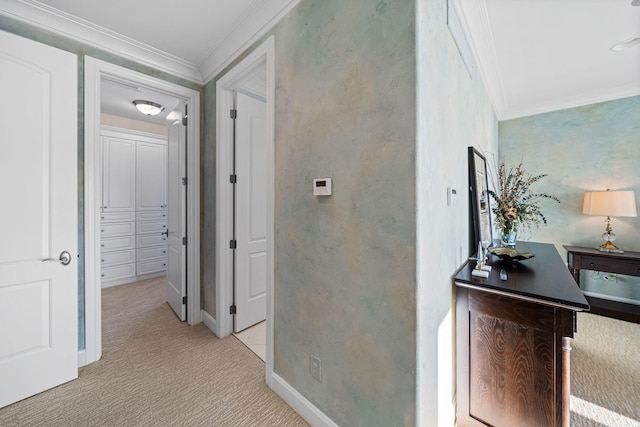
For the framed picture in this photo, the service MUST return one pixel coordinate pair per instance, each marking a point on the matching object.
(480, 224)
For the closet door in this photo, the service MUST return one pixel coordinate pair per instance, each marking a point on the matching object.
(118, 174)
(151, 165)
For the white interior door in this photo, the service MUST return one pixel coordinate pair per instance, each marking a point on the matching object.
(38, 218)
(176, 211)
(251, 212)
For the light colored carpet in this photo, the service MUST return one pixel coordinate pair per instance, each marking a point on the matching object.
(158, 371)
(605, 373)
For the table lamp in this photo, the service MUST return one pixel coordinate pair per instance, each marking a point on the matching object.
(609, 203)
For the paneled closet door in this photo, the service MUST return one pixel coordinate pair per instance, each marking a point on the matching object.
(118, 174)
(151, 177)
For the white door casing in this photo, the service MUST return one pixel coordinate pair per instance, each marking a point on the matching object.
(251, 215)
(263, 56)
(95, 71)
(38, 219)
(176, 211)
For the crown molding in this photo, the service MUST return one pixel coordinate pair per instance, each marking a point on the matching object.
(563, 104)
(255, 25)
(475, 21)
(44, 17)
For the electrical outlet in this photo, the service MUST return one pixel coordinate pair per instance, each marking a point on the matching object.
(315, 367)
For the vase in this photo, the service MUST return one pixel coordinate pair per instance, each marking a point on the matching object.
(508, 238)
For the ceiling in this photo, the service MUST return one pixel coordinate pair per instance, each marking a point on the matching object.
(534, 55)
(543, 55)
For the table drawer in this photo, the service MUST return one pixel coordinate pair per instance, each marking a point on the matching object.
(117, 257)
(631, 268)
(147, 267)
(117, 216)
(117, 228)
(145, 254)
(150, 216)
(147, 240)
(145, 227)
(118, 243)
(118, 272)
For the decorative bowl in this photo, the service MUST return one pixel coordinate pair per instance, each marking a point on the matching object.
(510, 254)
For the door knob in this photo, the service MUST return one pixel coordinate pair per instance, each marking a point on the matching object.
(65, 258)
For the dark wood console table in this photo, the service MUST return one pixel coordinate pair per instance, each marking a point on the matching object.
(513, 341)
(627, 263)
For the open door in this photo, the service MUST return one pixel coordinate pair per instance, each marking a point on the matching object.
(176, 211)
(251, 212)
(38, 218)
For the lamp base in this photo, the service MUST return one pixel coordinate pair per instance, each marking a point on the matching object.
(608, 246)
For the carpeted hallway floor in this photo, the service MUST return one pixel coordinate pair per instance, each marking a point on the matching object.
(158, 371)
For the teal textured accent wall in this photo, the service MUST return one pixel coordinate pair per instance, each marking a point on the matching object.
(587, 148)
(345, 264)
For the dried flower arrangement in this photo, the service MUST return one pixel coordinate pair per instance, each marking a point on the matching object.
(516, 207)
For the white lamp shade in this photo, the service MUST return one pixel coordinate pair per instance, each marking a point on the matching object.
(609, 203)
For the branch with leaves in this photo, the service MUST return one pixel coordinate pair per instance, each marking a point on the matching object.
(516, 206)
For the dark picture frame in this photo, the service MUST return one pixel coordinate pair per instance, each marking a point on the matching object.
(480, 227)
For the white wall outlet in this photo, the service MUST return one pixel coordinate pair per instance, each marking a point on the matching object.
(315, 366)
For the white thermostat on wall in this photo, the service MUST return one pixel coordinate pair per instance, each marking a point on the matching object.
(322, 187)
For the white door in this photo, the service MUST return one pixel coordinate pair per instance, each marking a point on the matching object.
(176, 201)
(251, 212)
(38, 218)
(151, 160)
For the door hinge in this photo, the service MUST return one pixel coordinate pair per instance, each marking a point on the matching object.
(232, 244)
(184, 180)
(233, 113)
(184, 121)
(184, 299)
(233, 178)
(232, 309)
(184, 241)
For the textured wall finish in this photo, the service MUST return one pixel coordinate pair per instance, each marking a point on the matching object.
(587, 148)
(345, 264)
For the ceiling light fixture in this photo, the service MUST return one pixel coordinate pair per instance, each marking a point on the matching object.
(626, 44)
(635, 3)
(147, 107)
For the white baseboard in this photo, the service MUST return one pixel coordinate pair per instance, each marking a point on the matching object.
(82, 358)
(300, 404)
(209, 321)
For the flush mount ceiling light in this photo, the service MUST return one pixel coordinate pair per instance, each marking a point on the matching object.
(147, 107)
(626, 44)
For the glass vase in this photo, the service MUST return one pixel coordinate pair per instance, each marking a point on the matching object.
(508, 238)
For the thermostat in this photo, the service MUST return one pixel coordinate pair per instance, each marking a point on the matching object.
(322, 187)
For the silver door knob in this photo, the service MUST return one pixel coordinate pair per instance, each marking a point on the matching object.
(65, 258)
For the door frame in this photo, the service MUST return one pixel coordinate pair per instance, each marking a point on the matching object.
(263, 55)
(94, 71)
